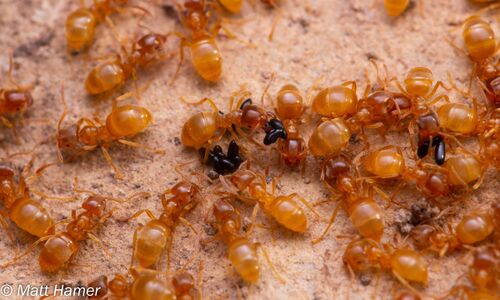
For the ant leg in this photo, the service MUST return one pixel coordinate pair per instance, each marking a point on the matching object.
(116, 35)
(438, 85)
(188, 224)
(304, 201)
(456, 47)
(249, 137)
(137, 145)
(273, 27)
(402, 89)
(437, 99)
(242, 94)
(11, 78)
(377, 71)
(266, 88)
(330, 224)
(98, 241)
(37, 174)
(134, 243)
(199, 102)
(27, 251)
(269, 262)
(5, 225)
(407, 285)
(169, 249)
(11, 126)
(182, 44)
(253, 219)
(108, 158)
(139, 213)
(61, 119)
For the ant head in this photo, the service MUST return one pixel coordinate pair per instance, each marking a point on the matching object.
(6, 172)
(242, 179)
(185, 189)
(183, 282)
(100, 284)
(335, 166)
(17, 101)
(151, 42)
(223, 209)
(95, 205)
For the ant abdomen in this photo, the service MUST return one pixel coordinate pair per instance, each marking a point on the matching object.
(150, 242)
(105, 77)
(80, 26)
(243, 256)
(479, 38)
(367, 216)
(199, 129)
(288, 213)
(329, 138)
(336, 101)
(32, 217)
(207, 59)
(57, 251)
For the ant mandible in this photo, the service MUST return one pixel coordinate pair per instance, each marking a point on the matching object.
(86, 135)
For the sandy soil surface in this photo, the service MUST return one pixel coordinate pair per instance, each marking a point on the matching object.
(330, 38)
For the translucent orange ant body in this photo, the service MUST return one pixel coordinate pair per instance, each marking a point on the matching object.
(26, 213)
(283, 209)
(290, 108)
(233, 6)
(395, 8)
(481, 45)
(81, 23)
(150, 240)
(462, 168)
(61, 248)
(474, 227)
(483, 274)
(405, 264)
(205, 54)
(205, 127)
(13, 100)
(241, 252)
(489, 137)
(357, 198)
(86, 135)
(112, 74)
(146, 285)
